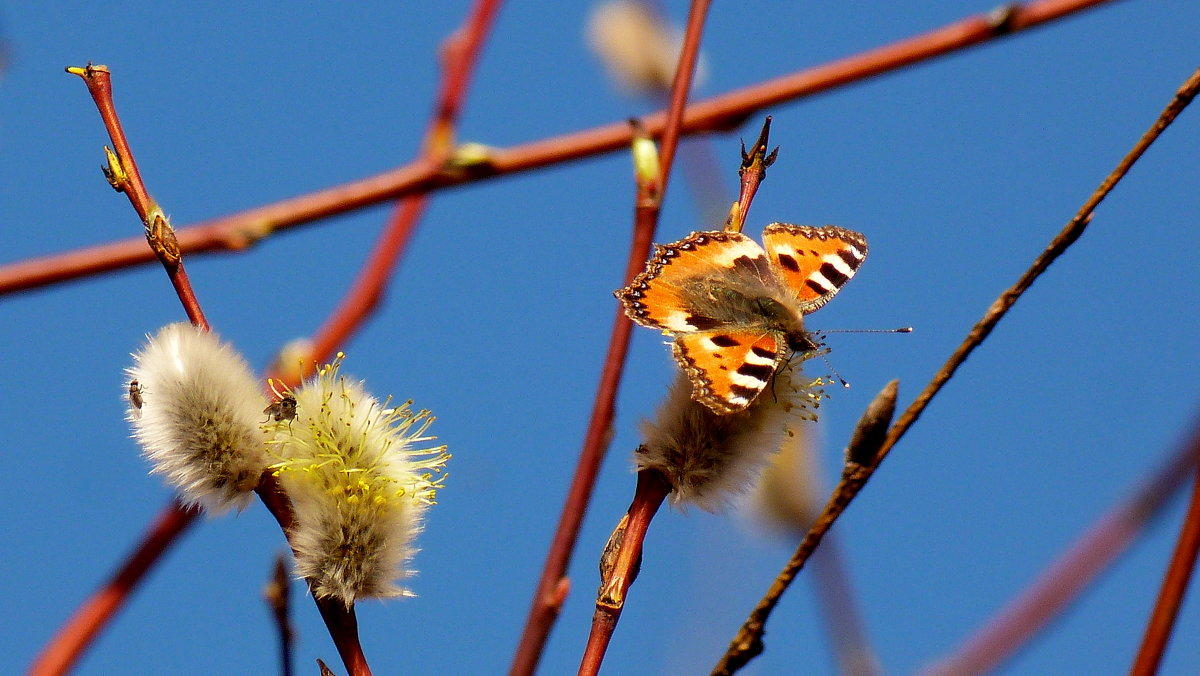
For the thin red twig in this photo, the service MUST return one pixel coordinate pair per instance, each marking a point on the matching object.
(69, 643)
(460, 53)
(1064, 580)
(241, 230)
(547, 597)
(752, 173)
(747, 644)
(364, 295)
(652, 489)
(1174, 586)
(549, 594)
(123, 175)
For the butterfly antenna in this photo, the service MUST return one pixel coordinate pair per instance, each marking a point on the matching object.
(902, 329)
(832, 370)
(818, 338)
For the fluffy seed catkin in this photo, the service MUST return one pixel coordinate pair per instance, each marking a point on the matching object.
(709, 458)
(195, 409)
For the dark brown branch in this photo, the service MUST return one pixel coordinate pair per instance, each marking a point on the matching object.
(241, 230)
(278, 600)
(747, 644)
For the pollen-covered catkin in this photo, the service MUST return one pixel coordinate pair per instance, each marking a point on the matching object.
(195, 409)
(358, 488)
(710, 458)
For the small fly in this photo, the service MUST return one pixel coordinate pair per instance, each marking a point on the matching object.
(135, 395)
(284, 409)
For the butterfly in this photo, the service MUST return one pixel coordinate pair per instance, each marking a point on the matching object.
(736, 309)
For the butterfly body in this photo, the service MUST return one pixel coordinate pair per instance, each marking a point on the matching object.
(736, 308)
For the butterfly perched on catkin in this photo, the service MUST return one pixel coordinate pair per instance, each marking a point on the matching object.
(736, 309)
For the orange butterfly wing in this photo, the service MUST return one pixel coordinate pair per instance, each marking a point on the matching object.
(730, 367)
(658, 297)
(814, 262)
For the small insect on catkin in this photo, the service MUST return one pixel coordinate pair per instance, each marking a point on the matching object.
(135, 398)
(358, 487)
(710, 459)
(196, 408)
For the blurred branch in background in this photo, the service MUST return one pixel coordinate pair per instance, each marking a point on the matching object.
(1174, 587)
(275, 593)
(1075, 569)
(787, 502)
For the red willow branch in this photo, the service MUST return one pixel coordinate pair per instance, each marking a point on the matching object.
(460, 53)
(652, 176)
(1065, 579)
(752, 173)
(241, 230)
(620, 563)
(747, 644)
(623, 554)
(652, 488)
(68, 643)
(1174, 586)
(123, 175)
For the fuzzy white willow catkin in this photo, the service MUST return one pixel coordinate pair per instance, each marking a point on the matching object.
(637, 46)
(358, 488)
(709, 458)
(196, 411)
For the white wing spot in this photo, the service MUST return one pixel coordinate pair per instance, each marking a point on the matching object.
(820, 280)
(746, 381)
(747, 247)
(838, 264)
(752, 358)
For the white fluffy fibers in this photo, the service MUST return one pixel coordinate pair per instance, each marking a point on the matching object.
(199, 416)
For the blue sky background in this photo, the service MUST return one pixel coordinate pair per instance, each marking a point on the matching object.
(958, 171)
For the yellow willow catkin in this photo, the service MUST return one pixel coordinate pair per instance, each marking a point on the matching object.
(358, 487)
